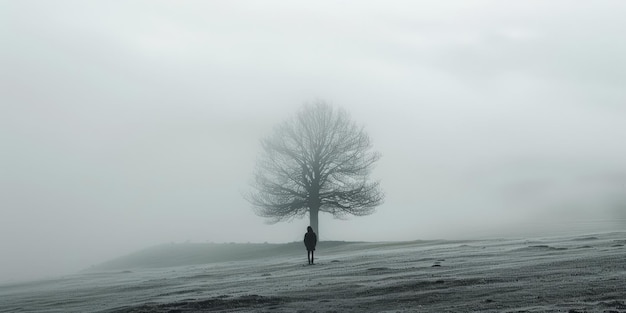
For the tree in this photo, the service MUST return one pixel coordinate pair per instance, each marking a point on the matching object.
(318, 161)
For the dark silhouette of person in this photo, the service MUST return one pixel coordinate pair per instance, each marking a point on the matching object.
(310, 240)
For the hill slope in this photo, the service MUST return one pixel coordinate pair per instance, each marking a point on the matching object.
(167, 255)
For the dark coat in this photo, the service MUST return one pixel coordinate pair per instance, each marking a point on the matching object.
(310, 240)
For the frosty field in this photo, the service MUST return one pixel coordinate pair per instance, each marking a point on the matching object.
(584, 273)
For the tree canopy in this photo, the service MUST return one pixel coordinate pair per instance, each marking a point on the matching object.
(318, 161)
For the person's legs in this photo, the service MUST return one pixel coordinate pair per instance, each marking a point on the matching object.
(312, 257)
(308, 256)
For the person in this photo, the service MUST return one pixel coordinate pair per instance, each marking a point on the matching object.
(310, 240)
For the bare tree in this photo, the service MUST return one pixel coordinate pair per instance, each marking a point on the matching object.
(319, 161)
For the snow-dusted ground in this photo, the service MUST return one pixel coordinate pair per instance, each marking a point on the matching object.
(555, 274)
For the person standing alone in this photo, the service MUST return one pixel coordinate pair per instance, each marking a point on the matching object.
(310, 240)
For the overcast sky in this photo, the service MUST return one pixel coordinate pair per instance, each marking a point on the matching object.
(126, 124)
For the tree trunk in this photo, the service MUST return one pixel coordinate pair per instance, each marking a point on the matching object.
(313, 221)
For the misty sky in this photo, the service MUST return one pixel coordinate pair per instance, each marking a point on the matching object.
(129, 124)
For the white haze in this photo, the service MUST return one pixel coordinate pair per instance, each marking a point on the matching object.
(129, 124)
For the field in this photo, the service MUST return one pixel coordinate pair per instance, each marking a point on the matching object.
(585, 273)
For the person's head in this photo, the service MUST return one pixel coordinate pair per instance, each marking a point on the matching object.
(309, 229)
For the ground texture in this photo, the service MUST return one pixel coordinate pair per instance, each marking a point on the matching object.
(564, 274)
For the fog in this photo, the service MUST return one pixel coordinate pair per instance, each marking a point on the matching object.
(129, 124)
